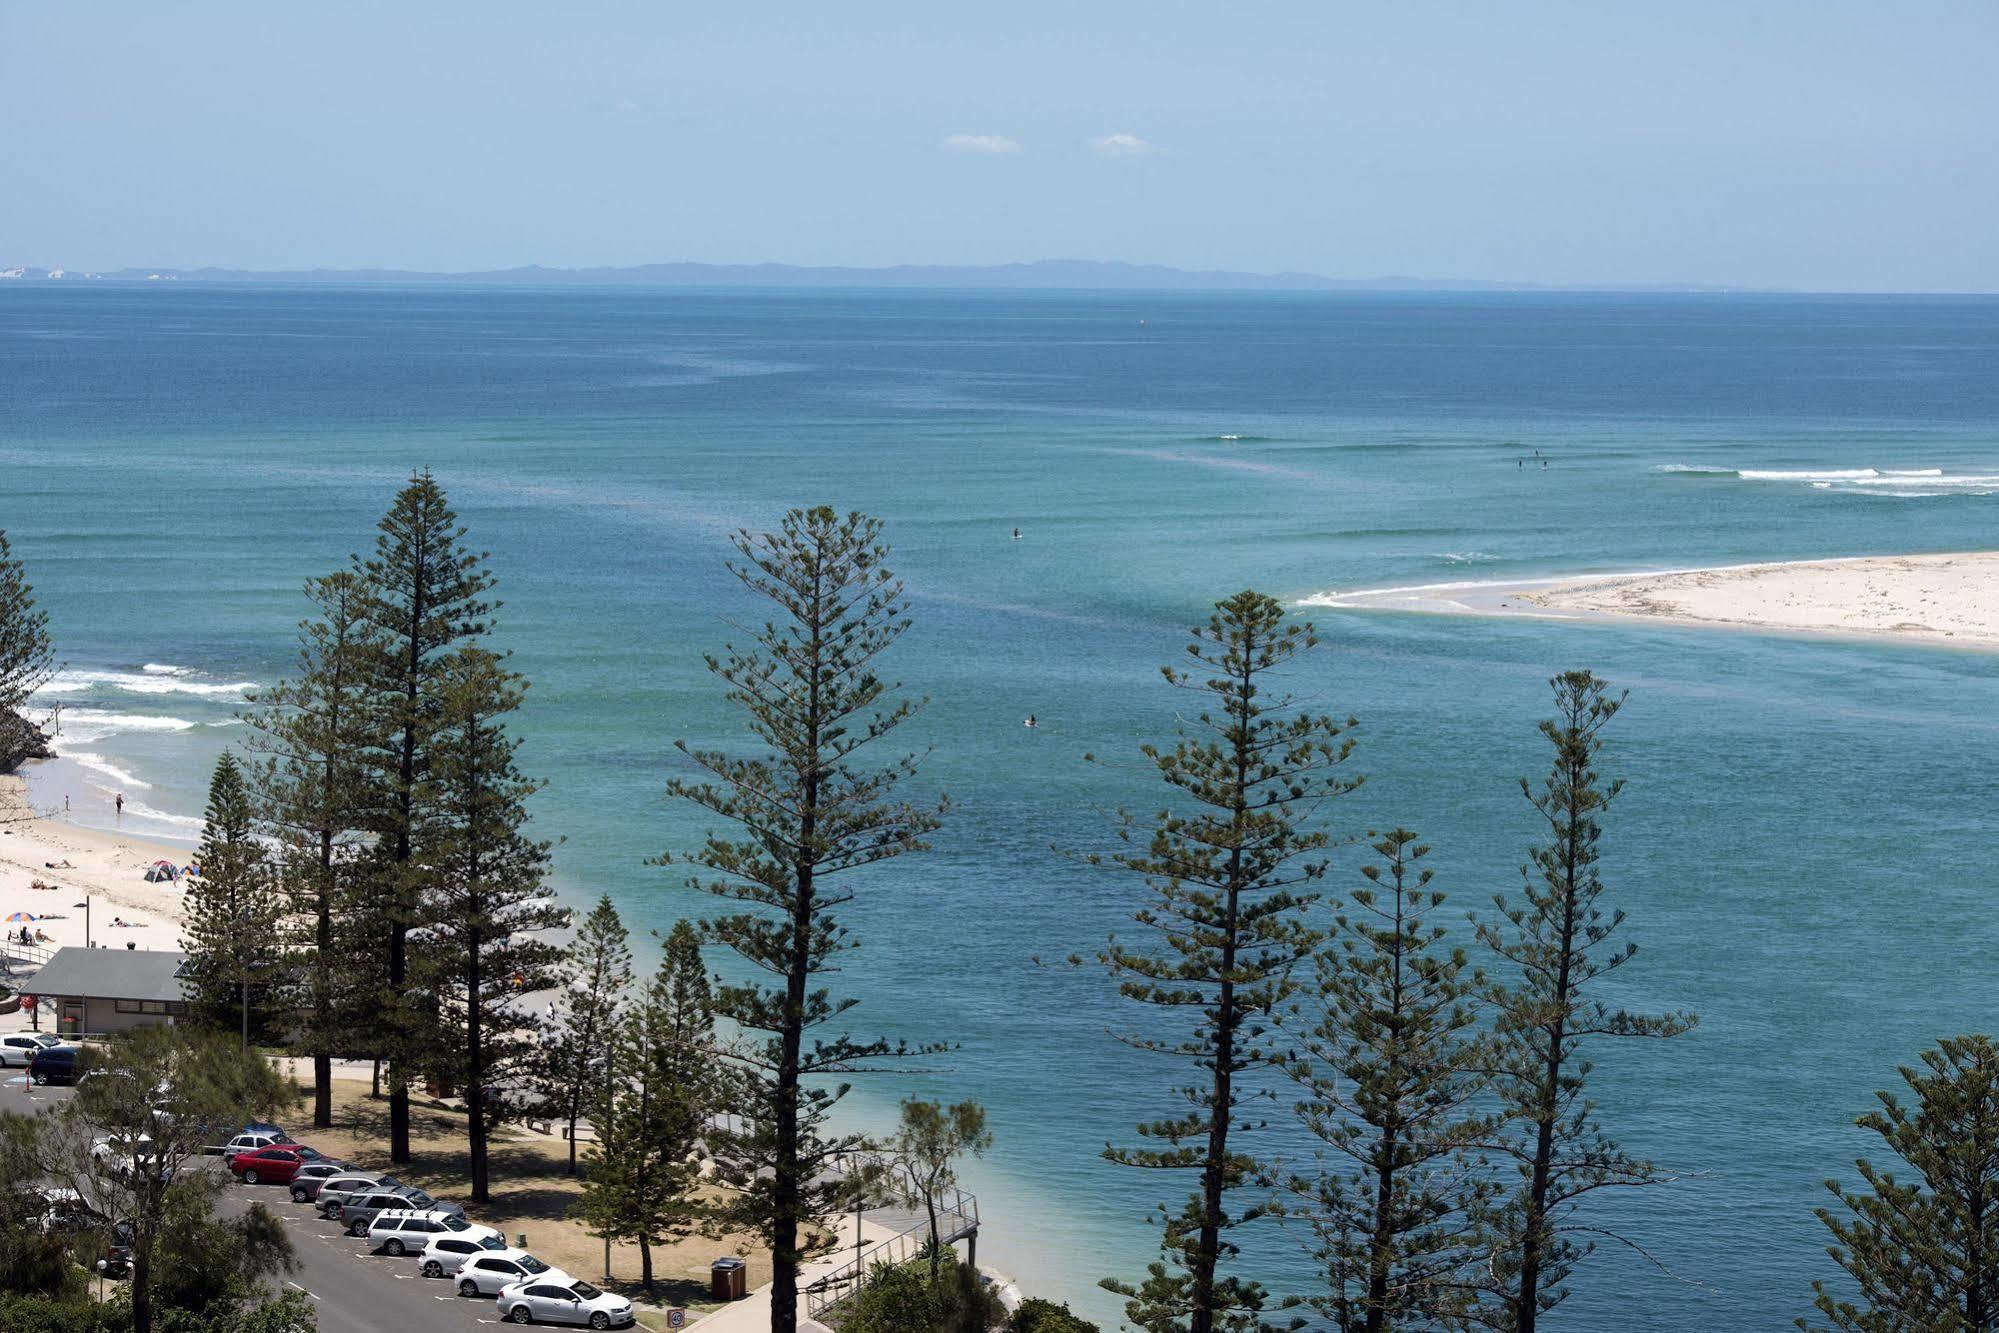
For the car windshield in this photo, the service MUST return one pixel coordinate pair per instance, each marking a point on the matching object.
(307, 1153)
(419, 1199)
(455, 1223)
(492, 1243)
(586, 1292)
(530, 1264)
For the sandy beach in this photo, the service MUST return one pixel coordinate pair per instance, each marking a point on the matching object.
(1944, 599)
(74, 862)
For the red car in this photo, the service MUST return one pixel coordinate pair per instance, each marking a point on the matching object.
(276, 1164)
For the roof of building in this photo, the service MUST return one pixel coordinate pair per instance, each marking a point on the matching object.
(112, 974)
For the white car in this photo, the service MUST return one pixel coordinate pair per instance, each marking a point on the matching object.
(543, 1300)
(485, 1274)
(447, 1251)
(16, 1048)
(400, 1231)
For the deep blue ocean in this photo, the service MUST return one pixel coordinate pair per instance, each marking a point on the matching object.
(1805, 848)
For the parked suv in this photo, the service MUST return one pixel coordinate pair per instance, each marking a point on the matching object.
(360, 1210)
(55, 1065)
(444, 1254)
(308, 1178)
(277, 1163)
(401, 1231)
(564, 1302)
(335, 1190)
(486, 1274)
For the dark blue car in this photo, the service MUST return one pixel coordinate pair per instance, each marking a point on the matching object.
(54, 1064)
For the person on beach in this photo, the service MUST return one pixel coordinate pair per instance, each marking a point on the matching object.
(118, 801)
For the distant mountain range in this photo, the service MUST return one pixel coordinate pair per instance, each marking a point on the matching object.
(1047, 274)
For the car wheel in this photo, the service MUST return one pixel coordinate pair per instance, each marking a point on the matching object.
(432, 1268)
(250, 1177)
(395, 1248)
(40, 1079)
(520, 1314)
(600, 1320)
(299, 1196)
(468, 1288)
(359, 1227)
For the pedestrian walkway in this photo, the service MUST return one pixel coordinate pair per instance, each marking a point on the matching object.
(752, 1313)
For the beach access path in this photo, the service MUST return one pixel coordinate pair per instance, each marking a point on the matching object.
(1948, 599)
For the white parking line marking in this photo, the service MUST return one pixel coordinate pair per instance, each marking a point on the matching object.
(292, 1284)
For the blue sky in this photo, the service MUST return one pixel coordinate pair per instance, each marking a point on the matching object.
(1816, 144)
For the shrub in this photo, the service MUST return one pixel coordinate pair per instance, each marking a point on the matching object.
(1038, 1316)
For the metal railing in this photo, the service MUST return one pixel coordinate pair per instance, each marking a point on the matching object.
(957, 1218)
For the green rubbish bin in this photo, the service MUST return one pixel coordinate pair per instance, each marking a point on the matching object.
(727, 1279)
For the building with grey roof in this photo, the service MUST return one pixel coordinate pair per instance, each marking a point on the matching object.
(108, 990)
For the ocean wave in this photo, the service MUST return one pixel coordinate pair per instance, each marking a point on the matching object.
(147, 680)
(163, 669)
(97, 763)
(1468, 557)
(84, 725)
(1900, 483)
(162, 817)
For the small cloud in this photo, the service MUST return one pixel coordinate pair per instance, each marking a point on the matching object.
(993, 145)
(1122, 145)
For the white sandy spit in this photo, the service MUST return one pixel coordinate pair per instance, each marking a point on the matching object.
(1945, 599)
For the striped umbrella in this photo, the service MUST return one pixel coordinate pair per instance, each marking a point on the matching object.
(23, 916)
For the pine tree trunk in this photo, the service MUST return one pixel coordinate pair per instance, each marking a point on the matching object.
(475, 1070)
(399, 1092)
(1201, 1294)
(142, 1287)
(1527, 1312)
(322, 991)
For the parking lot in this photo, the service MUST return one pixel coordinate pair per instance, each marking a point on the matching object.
(352, 1290)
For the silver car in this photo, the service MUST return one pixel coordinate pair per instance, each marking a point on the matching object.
(308, 1178)
(360, 1210)
(544, 1301)
(487, 1274)
(335, 1190)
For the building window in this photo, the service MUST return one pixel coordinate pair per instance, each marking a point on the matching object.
(152, 1006)
(127, 1006)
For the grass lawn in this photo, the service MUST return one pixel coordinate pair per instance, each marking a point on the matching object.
(531, 1195)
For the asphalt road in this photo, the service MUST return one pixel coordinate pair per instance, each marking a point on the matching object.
(352, 1290)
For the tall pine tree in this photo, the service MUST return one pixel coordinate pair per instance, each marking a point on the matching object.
(1557, 938)
(27, 661)
(312, 729)
(577, 1056)
(231, 926)
(1391, 1063)
(642, 1176)
(1223, 929)
(1924, 1249)
(486, 893)
(426, 598)
(808, 812)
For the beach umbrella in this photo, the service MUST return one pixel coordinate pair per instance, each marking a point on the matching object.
(23, 916)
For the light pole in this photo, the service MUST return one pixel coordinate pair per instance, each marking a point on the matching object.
(85, 905)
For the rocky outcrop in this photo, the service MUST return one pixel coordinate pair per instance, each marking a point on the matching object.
(20, 741)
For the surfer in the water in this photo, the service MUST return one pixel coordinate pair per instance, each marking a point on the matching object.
(1016, 534)
(1030, 721)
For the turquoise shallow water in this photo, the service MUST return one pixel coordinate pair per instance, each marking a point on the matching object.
(1804, 848)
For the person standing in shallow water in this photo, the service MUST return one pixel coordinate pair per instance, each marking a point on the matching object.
(118, 802)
